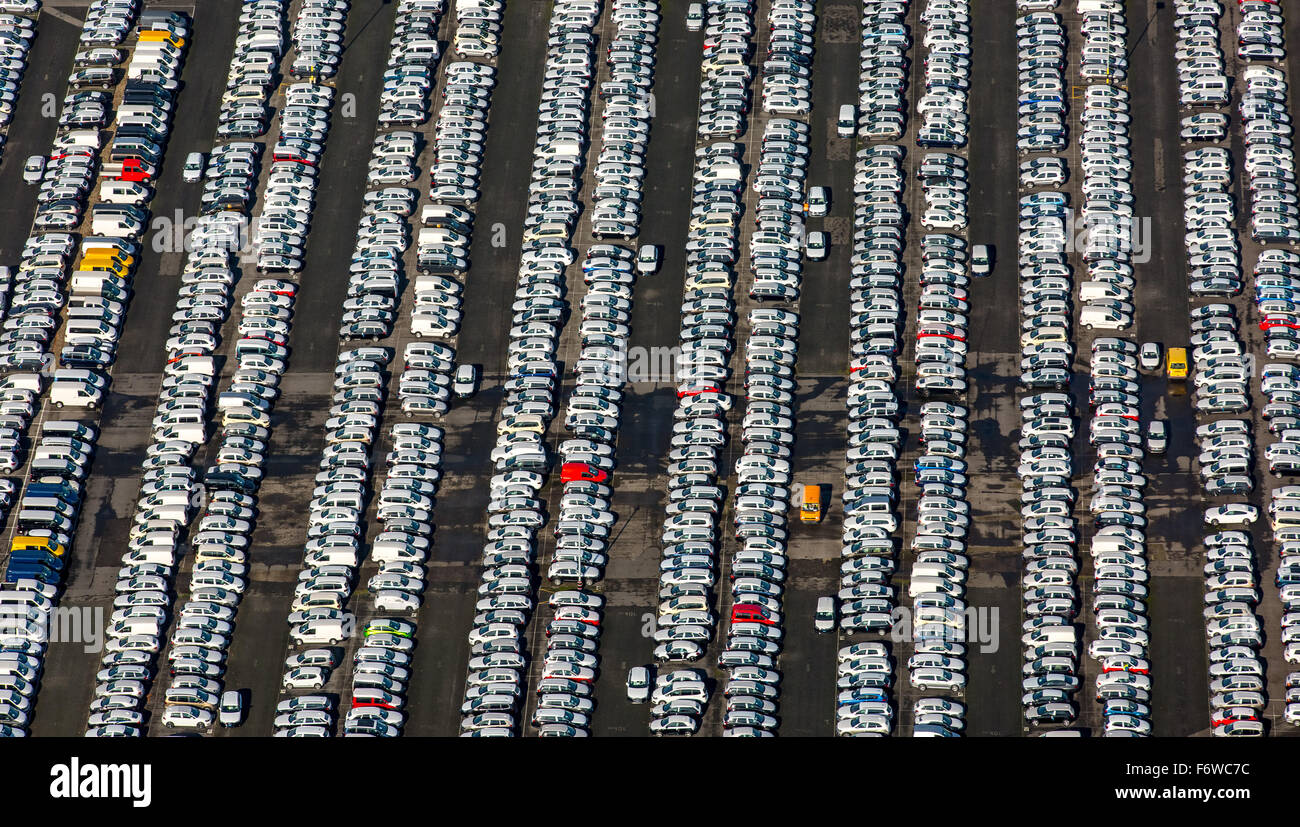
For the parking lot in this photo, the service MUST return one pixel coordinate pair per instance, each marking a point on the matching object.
(625, 577)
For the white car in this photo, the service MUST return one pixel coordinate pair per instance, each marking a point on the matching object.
(393, 600)
(34, 169)
(1231, 514)
(818, 203)
(934, 678)
(638, 684)
(1149, 356)
(824, 617)
(305, 677)
(465, 382)
(816, 246)
(192, 172)
(182, 715)
(231, 711)
(647, 259)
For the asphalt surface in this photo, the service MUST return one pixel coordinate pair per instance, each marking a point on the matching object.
(808, 660)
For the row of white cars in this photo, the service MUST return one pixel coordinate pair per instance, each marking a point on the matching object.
(776, 248)
(758, 566)
(1118, 548)
(883, 70)
(289, 197)
(226, 500)
(944, 107)
(1268, 130)
(1103, 58)
(30, 325)
(383, 235)
(867, 554)
(254, 70)
(318, 38)
(619, 172)
(478, 28)
(447, 222)
(108, 22)
(690, 536)
(1047, 355)
(1260, 33)
(1221, 370)
(1225, 460)
(225, 495)
(1277, 277)
(866, 599)
(938, 575)
(336, 533)
(728, 47)
(17, 31)
(1106, 297)
(593, 411)
(787, 82)
(46, 522)
(408, 77)
(1041, 102)
(1270, 156)
(520, 455)
(1202, 76)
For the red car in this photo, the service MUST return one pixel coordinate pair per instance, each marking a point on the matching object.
(1136, 670)
(952, 336)
(749, 613)
(698, 391)
(1266, 323)
(356, 704)
(581, 471)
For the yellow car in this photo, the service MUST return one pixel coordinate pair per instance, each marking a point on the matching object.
(697, 283)
(28, 541)
(1043, 334)
(247, 415)
(1176, 363)
(159, 36)
(522, 423)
